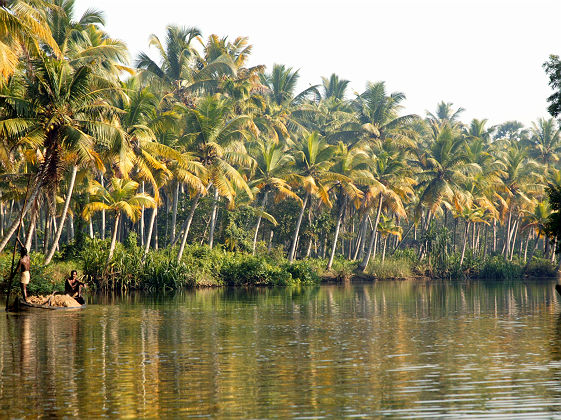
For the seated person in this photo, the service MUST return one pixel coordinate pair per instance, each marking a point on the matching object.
(73, 286)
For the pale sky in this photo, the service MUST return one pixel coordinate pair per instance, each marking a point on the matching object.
(483, 55)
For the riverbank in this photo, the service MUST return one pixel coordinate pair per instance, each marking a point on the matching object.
(201, 266)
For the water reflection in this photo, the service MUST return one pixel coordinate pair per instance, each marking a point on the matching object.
(393, 348)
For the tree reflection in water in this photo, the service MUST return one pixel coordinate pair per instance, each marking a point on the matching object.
(390, 348)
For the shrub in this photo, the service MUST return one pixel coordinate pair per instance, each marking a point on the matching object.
(392, 267)
(255, 271)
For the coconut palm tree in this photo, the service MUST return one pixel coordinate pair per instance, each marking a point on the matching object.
(121, 197)
(55, 112)
(353, 165)
(314, 158)
(23, 27)
(214, 137)
(273, 165)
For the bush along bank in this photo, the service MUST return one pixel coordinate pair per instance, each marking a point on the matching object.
(201, 266)
(406, 264)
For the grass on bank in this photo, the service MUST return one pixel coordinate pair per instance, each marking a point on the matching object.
(202, 266)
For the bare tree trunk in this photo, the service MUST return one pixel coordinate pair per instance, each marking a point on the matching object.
(384, 249)
(364, 263)
(174, 211)
(526, 247)
(150, 230)
(63, 216)
(142, 221)
(213, 219)
(270, 245)
(32, 224)
(14, 226)
(102, 181)
(292, 252)
(514, 235)
(114, 237)
(187, 226)
(466, 231)
(494, 235)
(259, 221)
(337, 228)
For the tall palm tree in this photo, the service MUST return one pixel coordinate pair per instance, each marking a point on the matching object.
(55, 112)
(273, 166)
(23, 26)
(121, 197)
(352, 164)
(214, 137)
(313, 161)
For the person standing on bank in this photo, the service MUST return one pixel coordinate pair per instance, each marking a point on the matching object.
(23, 265)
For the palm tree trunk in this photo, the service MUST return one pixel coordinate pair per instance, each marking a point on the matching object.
(259, 221)
(114, 237)
(270, 244)
(150, 230)
(494, 235)
(187, 226)
(14, 226)
(337, 228)
(360, 236)
(32, 223)
(466, 232)
(532, 253)
(292, 252)
(364, 263)
(63, 217)
(384, 249)
(526, 247)
(142, 221)
(102, 182)
(507, 237)
(174, 211)
(514, 235)
(213, 219)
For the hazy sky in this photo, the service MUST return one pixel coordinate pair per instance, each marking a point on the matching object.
(483, 55)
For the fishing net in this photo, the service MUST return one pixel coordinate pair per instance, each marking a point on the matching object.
(55, 300)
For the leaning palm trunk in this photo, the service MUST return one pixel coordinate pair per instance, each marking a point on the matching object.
(26, 206)
(114, 238)
(32, 224)
(466, 233)
(150, 230)
(336, 236)
(63, 217)
(213, 219)
(292, 252)
(362, 266)
(187, 226)
(259, 221)
(103, 213)
(360, 236)
(174, 212)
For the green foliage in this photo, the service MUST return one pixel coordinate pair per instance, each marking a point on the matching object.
(393, 267)
(247, 270)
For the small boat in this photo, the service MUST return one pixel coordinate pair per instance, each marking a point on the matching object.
(558, 288)
(21, 305)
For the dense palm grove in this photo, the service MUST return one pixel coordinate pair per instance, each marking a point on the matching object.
(194, 150)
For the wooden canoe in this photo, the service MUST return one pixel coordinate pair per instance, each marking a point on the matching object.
(21, 305)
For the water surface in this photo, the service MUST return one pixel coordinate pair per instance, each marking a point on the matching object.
(401, 349)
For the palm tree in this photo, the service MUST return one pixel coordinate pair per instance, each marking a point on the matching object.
(545, 142)
(23, 26)
(313, 161)
(55, 112)
(392, 185)
(273, 165)
(121, 197)
(352, 164)
(213, 136)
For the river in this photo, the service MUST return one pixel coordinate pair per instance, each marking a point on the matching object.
(409, 349)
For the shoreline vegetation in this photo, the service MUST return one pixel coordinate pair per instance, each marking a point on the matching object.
(186, 167)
